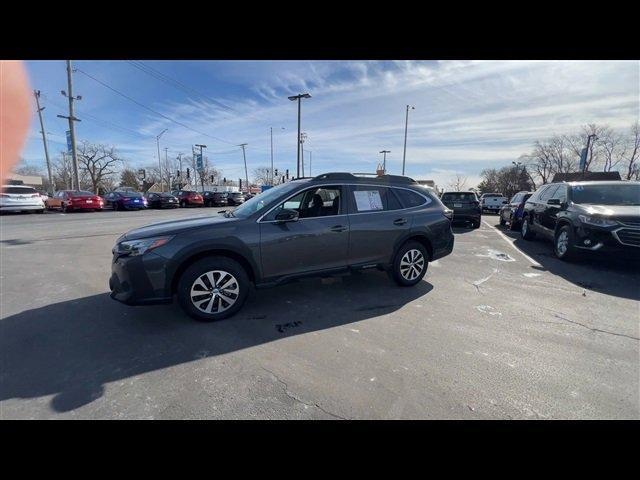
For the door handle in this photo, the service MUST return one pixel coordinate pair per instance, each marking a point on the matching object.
(400, 221)
(338, 228)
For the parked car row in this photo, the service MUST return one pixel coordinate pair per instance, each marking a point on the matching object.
(21, 198)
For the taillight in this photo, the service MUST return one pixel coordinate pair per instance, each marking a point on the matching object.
(448, 213)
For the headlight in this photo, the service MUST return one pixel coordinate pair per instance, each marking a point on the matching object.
(597, 221)
(133, 248)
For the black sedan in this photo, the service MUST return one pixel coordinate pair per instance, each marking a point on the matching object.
(161, 200)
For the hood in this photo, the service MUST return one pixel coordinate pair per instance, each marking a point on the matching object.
(610, 210)
(174, 227)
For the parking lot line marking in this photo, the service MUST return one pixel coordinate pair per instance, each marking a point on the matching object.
(511, 242)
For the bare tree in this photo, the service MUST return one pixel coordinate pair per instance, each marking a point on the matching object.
(262, 176)
(98, 161)
(129, 178)
(458, 183)
(63, 172)
(632, 156)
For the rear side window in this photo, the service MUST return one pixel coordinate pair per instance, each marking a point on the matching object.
(366, 198)
(19, 190)
(408, 198)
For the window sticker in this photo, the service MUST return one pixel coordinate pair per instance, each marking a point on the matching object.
(367, 200)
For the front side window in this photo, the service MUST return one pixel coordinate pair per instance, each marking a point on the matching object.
(546, 195)
(311, 203)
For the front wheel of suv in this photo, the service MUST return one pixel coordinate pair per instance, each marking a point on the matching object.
(213, 288)
(525, 229)
(410, 264)
(563, 243)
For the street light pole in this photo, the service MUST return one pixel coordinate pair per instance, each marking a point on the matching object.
(406, 123)
(384, 160)
(160, 161)
(293, 98)
(310, 152)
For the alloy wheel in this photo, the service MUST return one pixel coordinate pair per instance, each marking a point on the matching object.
(411, 264)
(214, 291)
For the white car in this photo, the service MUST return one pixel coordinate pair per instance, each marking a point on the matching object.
(492, 202)
(20, 198)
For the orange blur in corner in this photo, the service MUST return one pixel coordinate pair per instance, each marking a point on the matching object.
(15, 113)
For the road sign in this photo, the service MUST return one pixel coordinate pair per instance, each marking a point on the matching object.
(69, 147)
(583, 159)
(199, 165)
(142, 173)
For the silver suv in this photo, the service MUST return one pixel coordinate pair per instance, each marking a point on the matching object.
(20, 198)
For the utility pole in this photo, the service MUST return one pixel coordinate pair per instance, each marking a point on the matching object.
(72, 128)
(36, 93)
(293, 98)
(244, 156)
(272, 175)
(406, 123)
(159, 161)
(384, 161)
(180, 170)
(166, 167)
(310, 152)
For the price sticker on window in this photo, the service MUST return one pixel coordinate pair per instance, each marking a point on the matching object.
(367, 200)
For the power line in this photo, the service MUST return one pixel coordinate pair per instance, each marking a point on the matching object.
(151, 109)
(176, 83)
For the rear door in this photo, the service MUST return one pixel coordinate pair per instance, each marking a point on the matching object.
(541, 209)
(377, 221)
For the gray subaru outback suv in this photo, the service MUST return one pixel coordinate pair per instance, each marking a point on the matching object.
(329, 224)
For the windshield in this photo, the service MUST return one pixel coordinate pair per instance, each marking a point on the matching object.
(623, 194)
(258, 202)
(82, 194)
(458, 197)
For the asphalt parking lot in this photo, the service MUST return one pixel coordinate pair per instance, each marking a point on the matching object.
(500, 329)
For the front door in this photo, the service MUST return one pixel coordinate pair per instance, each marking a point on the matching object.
(318, 240)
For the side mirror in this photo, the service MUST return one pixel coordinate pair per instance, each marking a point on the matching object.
(553, 201)
(287, 215)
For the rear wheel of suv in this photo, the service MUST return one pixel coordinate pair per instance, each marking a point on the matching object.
(525, 229)
(563, 243)
(410, 264)
(213, 288)
(502, 221)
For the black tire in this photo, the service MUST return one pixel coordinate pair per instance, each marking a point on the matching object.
(513, 224)
(570, 252)
(502, 221)
(40, 211)
(201, 267)
(475, 224)
(525, 229)
(64, 208)
(397, 274)
(183, 204)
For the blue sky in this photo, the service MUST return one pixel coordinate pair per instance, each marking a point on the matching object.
(469, 115)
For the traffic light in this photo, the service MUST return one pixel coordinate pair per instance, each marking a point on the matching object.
(287, 174)
(188, 173)
(276, 172)
(178, 173)
(211, 179)
(224, 180)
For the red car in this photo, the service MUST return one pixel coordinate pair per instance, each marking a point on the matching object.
(70, 200)
(188, 198)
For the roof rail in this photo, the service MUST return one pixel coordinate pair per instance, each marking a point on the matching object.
(335, 176)
(370, 176)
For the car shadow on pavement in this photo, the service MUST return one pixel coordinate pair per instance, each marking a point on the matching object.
(610, 275)
(72, 349)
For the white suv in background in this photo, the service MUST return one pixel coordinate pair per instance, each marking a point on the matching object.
(492, 202)
(20, 198)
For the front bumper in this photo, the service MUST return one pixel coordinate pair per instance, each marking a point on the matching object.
(616, 240)
(140, 280)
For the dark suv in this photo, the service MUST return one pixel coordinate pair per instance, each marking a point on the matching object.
(585, 216)
(465, 205)
(330, 224)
